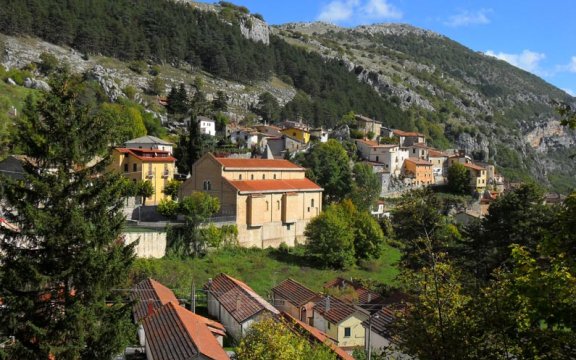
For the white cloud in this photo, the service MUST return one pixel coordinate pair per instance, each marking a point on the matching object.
(381, 9)
(466, 18)
(338, 11)
(572, 65)
(527, 59)
(358, 11)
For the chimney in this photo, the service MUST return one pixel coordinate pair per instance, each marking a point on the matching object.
(327, 303)
(369, 297)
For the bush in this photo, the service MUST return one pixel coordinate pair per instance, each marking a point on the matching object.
(48, 63)
(130, 92)
(138, 66)
(168, 208)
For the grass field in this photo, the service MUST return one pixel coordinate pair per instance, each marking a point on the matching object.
(261, 269)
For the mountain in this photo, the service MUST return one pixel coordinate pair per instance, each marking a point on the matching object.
(410, 78)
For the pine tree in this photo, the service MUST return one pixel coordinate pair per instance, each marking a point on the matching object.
(59, 268)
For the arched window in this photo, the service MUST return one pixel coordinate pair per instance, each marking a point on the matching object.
(267, 206)
(312, 203)
(263, 176)
(252, 177)
(277, 204)
(207, 185)
(274, 176)
(240, 177)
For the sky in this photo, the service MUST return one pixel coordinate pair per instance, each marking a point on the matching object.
(535, 35)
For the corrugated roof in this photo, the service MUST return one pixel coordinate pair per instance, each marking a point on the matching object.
(294, 292)
(315, 335)
(258, 164)
(419, 161)
(148, 139)
(148, 155)
(334, 310)
(150, 292)
(238, 298)
(278, 185)
(174, 333)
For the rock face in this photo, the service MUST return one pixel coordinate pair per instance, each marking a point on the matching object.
(255, 29)
(36, 84)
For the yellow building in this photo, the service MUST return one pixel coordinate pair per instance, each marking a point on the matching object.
(419, 170)
(342, 322)
(156, 166)
(478, 177)
(271, 201)
(298, 134)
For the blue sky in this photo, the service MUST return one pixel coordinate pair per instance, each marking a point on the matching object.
(535, 35)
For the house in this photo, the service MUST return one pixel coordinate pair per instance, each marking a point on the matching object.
(173, 333)
(407, 138)
(439, 162)
(391, 156)
(367, 125)
(207, 125)
(156, 166)
(353, 292)
(420, 171)
(378, 210)
(478, 178)
(320, 134)
(466, 217)
(149, 295)
(149, 142)
(314, 336)
(341, 321)
(295, 299)
(271, 201)
(378, 329)
(235, 304)
(245, 137)
(297, 133)
(269, 130)
(418, 151)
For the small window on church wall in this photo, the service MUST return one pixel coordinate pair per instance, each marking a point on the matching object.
(252, 177)
(240, 177)
(277, 204)
(274, 176)
(263, 176)
(312, 203)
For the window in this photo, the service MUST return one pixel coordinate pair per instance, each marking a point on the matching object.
(328, 325)
(413, 151)
(263, 176)
(125, 167)
(312, 202)
(240, 177)
(377, 159)
(347, 332)
(267, 206)
(252, 177)
(277, 204)
(274, 176)
(134, 167)
(207, 185)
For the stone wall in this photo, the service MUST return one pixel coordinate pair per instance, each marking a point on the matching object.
(150, 245)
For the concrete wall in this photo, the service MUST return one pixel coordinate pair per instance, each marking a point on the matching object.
(150, 245)
(357, 332)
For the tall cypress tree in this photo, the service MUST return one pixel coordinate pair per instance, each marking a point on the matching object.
(59, 268)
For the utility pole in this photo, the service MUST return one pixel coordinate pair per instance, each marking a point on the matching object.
(193, 297)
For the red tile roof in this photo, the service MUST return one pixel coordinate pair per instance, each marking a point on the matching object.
(334, 310)
(174, 333)
(148, 155)
(436, 153)
(315, 335)
(473, 166)
(149, 294)
(419, 161)
(294, 292)
(406, 133)
(259, 186)
(238, 298)
(375, 144)
(258, 164)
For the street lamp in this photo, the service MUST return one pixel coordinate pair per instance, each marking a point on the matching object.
(376, 316)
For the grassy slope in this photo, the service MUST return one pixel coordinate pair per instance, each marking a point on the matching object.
(261, 269)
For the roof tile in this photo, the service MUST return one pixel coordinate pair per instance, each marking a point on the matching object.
(151, 292)
(258, 164)
(294, 292)
(274, 185)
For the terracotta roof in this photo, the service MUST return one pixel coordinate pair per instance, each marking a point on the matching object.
(294, 292)
(436, 153)
(174, 333)
(419, 161)
(148, 155)
(259, 186)
(258, 164)
(406, 133)
(375, 144)
(368, 299)
(473, 166)
(150, 295)
(315, 335)
(334, 310)
(238, 298)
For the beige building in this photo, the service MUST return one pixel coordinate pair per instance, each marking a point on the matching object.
(391, 156)
(367, 125)
(407, 138)
(420, 171)
(271, 201)
(478, 178)
(295, 299)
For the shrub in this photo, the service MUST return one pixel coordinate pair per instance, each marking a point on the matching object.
(138, 66)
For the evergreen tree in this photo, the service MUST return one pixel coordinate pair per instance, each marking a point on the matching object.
(366, 187)
(59, 268)
(220, 103)
(459, 179)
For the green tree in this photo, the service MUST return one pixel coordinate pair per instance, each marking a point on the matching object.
(144, 189)
(127, 120)
(267, 107)
(48, 63)
(328, 165)
(567, 113)
(178, 100)
(220, 103)
(58, 271)
(331, 238)
(156, 86)
(191, 146)
(458, 179)
(366, 187)
(197, 209)
(368, 236)
(270, 339)
(171, 188)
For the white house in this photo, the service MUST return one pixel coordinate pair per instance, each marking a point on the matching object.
(207, 125)
(235, 304)
(245, 136)
(390, 155)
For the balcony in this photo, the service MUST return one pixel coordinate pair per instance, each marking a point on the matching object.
(150, 175)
